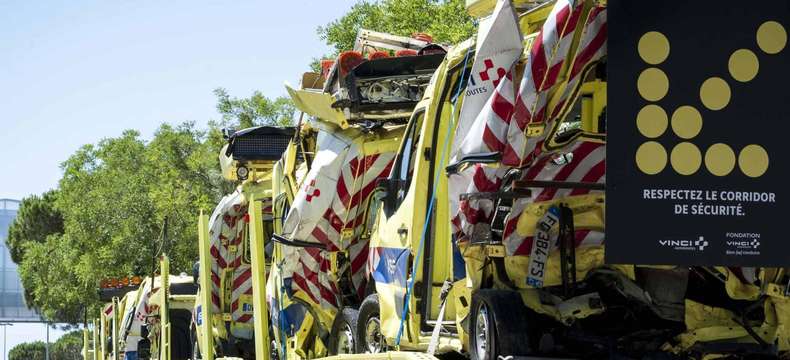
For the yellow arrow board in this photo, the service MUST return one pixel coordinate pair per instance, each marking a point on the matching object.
(699, 97)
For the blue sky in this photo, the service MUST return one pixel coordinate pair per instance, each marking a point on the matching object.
(74, 72)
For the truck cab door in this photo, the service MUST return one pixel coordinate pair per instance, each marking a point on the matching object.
(391, 247)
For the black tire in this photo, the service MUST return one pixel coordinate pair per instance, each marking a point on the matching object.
(369, 317)
(501, 316)
(195, 346)
(180, 346)
(195, 350)
(343, 330)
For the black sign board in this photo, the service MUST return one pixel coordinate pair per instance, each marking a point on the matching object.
(697, 148)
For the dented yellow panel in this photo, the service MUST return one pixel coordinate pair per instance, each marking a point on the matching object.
(318, 104)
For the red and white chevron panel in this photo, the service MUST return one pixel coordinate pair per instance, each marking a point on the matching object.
(226, 227)
(346, 213)
(311, 277)
(587, 164)
(592, 47)
(488, 102)
(547, 57)
(472, 212)
(226, 231)
(242, 285)
(355, 183)
(358, 253)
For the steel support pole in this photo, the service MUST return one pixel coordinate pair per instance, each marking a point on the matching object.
(260, 311)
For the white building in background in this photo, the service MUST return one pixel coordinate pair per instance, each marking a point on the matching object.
(12, 302)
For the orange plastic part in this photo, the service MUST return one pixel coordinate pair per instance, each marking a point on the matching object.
(406, 52)
(326, 67)
(378, 55)
(348, 60)
(423, 36)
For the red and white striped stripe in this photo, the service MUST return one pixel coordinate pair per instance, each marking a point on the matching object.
(226, 227)
(346, 214)
(356, 182)
(311, 277)
(108, 310)
(485, 113)
(226, 231)
(588, 164)
(472, 212)
(592, 47)
(547, 57)
(242, 285)
(499, 45)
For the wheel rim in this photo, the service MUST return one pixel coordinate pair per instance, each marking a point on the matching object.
(373, 338)
(345, 340)
(482, 332)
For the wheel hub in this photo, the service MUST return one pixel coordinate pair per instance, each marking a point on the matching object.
(345, 340)
(373, 338)
(482, 332)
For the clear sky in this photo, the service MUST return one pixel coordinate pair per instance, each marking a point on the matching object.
(74, 72)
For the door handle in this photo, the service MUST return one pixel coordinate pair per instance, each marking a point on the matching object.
(403, 231)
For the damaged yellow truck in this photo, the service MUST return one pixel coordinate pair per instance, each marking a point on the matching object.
(512, 267)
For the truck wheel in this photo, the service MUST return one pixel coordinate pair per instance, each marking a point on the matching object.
(342, 339)
(370, 339)
(498, 325)
(195, 347)
(195, 350)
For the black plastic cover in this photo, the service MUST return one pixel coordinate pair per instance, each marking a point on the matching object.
(259, 143)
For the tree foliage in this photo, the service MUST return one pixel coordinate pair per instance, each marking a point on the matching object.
(445, 20)
(67, 347)
(28, 351)
(114, 197)
(38, 219)
(255, 110)
(106, 219)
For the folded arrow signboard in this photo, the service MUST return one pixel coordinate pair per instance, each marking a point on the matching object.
(698, 112)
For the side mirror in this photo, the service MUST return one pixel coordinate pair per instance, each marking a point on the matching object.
(196, 273)
(388, 190)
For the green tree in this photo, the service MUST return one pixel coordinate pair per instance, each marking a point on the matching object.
(114, 198)
(253, 111)
(68, 347)
(37, 218)
(445, 20)
(28, 351)
(51, 283)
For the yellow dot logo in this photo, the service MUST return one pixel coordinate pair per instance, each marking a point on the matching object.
(653, 84)
(686, 122)
(653, 47)
(652, 121)
(686, 158)
(651, 158)
(715, 94)
(743, 65)
(753, 160)
(771, 37)
(720, 159)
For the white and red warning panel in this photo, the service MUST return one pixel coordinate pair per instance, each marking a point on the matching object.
(697, 149)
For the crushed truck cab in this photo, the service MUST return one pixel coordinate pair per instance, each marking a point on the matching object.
(223, 315)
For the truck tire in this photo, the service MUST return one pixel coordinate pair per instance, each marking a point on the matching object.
(369, 337)
(498, 325)
(342, 338)
(195, 346)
